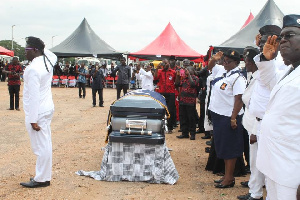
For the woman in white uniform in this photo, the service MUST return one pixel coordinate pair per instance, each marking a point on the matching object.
(226, 112)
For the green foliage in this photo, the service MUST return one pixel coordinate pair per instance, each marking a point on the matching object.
(70, 60)
(19, 50)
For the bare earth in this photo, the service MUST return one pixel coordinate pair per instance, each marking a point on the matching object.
(78, 133)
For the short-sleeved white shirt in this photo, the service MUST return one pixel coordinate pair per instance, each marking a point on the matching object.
(224, 90)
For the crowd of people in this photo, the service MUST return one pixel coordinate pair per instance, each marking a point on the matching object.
(250, 113)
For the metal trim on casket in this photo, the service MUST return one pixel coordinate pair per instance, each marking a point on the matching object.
(137, 119)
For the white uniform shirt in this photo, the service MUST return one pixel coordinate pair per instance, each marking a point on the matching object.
(37, 95)
(262, 91)
(278, 155)
(223, 92)
(146, 78)
(248, 119)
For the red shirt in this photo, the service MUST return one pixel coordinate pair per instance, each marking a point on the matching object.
(14, 79)
(166, 79)
(188, 91)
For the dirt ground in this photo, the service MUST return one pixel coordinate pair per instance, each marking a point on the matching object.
(78, 133)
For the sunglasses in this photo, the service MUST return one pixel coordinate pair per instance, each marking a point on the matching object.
(28, 48)
(286, 36)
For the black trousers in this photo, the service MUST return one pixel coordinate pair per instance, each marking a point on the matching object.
(100, 93)
(14, 91)
(121, 87)
(81, 86)
(187, 120)
(170, 100)
(202, 115)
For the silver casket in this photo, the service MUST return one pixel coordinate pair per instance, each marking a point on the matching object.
(138, 117)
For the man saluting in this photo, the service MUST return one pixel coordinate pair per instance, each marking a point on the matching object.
(278, 156)
(38, 107)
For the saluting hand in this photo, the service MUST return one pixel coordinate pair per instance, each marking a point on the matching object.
(218, 55)
(257, 39)
(271, 48)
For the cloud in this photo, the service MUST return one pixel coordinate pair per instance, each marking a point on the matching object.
(131, 25)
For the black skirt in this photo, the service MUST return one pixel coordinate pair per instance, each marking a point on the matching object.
(229, 142)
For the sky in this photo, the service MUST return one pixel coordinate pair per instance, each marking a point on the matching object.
(131, 25)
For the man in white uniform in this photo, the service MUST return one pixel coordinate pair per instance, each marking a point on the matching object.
(146, 77)
(278, 156)
(39, 108)
(257, 107)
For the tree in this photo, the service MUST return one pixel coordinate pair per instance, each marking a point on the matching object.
(18, 49)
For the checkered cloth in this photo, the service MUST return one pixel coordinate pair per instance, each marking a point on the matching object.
(135, 162)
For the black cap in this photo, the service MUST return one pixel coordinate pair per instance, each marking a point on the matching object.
(232, 54)
(291, 21)
(251, 52)
(35, 42)
(270, 30)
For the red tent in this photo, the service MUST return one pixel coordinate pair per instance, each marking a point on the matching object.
(248, 20)
(167, 44)
(4, 51)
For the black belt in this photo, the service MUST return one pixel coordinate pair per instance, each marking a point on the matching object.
(258, 119)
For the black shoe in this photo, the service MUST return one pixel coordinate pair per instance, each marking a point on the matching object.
(244, 197)
(218, 181)
(245, 184)
(94, 105)
(206, 137)
(200, 131)
(84, 97)
(101, 105)
(10, 109)
(207, 149)
(80, 96)
(192, 137)
(208, 143)
(251, 198)
(220, 185)
(247, 169)
(182, 136)
(33, 184)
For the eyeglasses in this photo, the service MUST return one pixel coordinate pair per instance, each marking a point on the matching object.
(286, 36)
(28, 48)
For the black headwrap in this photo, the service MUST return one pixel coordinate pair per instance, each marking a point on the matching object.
(37, 43)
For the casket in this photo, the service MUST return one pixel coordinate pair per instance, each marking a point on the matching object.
(138, 117)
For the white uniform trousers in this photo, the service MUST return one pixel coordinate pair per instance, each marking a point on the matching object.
(257, 179)
(276, 191)
(41, 146)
